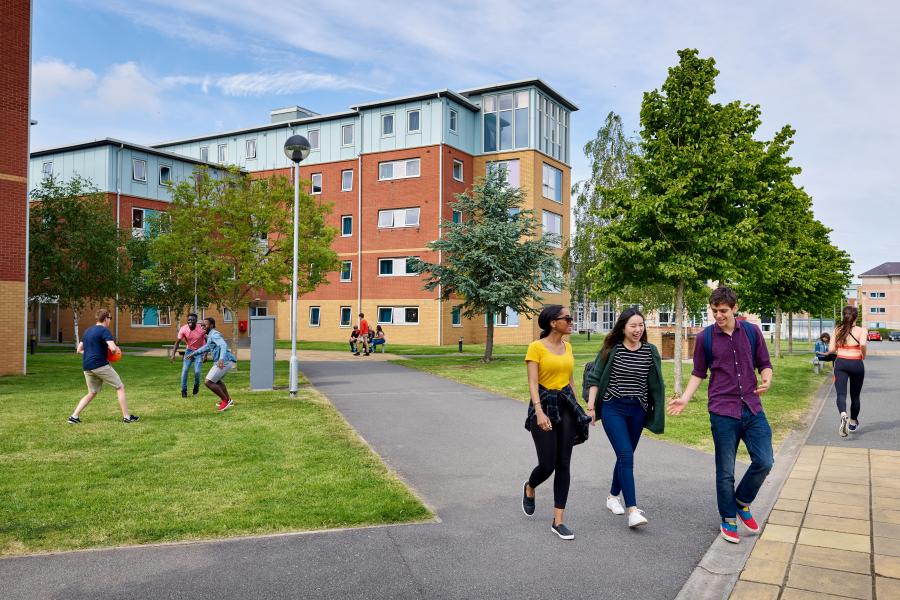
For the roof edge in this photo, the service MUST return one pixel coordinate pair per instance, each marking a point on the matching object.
(117, 142)
(535, 81)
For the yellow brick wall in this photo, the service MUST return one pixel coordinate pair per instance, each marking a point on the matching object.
(12, 329)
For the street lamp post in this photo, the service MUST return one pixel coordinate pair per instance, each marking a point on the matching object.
(296, 148)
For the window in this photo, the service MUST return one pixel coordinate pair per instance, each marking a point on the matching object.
(666, 316)
(553, 129)
(877, 295)
(505, 121)
(398, 315)
(258, 310)
(227, 315)
(347, 135)
(398, 169)
(47, 170)
(346, 225)
(505, 318)
(223, 153)
(553, 225)
(316, 180)
(521, 120)
(552, 183)
(346, 270)
(204, 153)
(164, 318)
(457, 216)
(165, 174)
(399, 217)
(413, 119)
(314, 316)
(387, 125)
(347, 180)
(137, 222)
(396, 267)
(151, 316)
(454, 120)
(346, 315)
(251, 148)
(458, 170)
(313, 137)
(510, 166)
(877, 309)
(139, 169)
(554, 289)
(456, 316)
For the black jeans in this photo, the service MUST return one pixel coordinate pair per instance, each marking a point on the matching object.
(854, 371)
(554, 452)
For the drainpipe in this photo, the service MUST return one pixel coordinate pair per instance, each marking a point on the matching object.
(440, 217)
(118, 220)
(359, 220)
(27, 199)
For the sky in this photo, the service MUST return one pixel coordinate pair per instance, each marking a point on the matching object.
(157, 70)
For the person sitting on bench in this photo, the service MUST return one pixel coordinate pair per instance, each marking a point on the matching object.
(378, 340)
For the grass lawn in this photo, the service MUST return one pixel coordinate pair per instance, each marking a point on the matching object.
(785, 403)
(270, 464)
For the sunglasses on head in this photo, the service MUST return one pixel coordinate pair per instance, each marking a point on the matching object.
(567, 319)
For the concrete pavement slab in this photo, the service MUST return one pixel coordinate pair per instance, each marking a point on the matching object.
(830, 558)
(815, 579)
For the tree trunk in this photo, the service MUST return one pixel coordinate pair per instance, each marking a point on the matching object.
(586, 307)
(790, 333)
(777, 336)
(75, 324)
(234, 333)
(679, 333)
(489, 339)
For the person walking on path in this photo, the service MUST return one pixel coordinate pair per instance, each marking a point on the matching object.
(223, 362)
(194, 338)
(731, 351)
(849, 341)
(628, 394)
(555, 419)
(95, 345)
(363, 335)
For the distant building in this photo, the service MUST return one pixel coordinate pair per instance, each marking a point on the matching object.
(879, 296)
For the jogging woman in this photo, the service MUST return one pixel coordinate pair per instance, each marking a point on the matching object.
(628, 393)
(555, 419)
(849, 341)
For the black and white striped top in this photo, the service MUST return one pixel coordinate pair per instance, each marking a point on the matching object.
(630, 369)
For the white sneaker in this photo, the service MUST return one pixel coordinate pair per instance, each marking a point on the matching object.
(613, 504)
(636, 518)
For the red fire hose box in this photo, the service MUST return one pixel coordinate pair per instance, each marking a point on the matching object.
(242, 326)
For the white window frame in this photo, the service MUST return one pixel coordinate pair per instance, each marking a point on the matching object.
(312, 183)
(137, 232)
(398, 166)
(349, 271)
(344, 129)
(409, 114)
(343, 219)
(400, 261)
(349, 310)
(169, 169)
(399, 214)
(314, 144)
(544, 214)
(318, 322)
(134, 175)
(248, 144)
(877, 310)
(344, 187)
(159, 317)
(453, 121)
(222, 153)
(45, 172)
(227, 315)
(460, 164)
(456, 312)
(395, 310)
(204, 153)
(550, 170)
(393, 124)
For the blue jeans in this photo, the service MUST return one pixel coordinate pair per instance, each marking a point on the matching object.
(197, 361)
(623, 421)
(756, 434)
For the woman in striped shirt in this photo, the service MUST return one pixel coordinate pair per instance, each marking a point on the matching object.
(626, 391)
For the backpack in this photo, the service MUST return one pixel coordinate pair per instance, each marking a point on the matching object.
(584, 381)
(749, 329)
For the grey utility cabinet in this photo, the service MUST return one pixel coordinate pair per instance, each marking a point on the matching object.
(262, 353)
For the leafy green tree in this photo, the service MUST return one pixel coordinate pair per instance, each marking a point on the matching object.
(495, 257)
(691, 215)
(73, 245)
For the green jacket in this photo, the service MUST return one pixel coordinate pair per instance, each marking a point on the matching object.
(656, 388)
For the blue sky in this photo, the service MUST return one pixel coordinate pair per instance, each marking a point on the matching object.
(155, 70)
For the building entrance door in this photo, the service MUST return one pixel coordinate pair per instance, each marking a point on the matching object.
(48, 322)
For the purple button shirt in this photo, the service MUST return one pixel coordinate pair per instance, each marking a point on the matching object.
(732, 379)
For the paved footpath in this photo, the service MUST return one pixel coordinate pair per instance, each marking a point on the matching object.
(465, 451)
(835, 529)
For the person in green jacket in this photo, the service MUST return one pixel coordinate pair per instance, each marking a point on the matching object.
(627, 393)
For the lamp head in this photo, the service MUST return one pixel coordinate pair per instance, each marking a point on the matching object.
(296, 148)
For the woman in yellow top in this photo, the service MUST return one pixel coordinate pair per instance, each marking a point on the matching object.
(555, 419)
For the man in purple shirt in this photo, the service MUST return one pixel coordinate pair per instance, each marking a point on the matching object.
(735, 408)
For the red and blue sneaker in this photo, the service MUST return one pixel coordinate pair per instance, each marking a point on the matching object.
(729, 532)
(746, 517)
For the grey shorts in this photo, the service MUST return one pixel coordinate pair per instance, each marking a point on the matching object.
(216, 374)
(95, 378)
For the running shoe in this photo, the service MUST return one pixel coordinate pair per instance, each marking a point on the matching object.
(615, 507)
(562, 531)
(196, 388)
(852, 427)
(636, 518)
(527, 503)
(131, 419)
(73, 420)
(184, 393)
(842, 429)
(224, 405)
(729, 532)
(746, 517)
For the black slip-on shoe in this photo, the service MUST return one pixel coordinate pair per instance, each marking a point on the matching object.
(527, 503)
(562, 531)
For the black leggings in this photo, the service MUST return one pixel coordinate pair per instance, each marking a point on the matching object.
(554, 451)
(854, 371)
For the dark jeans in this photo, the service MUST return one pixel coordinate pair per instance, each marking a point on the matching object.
(756, 434)
(623, 421)
(554, 452)
(854, 372)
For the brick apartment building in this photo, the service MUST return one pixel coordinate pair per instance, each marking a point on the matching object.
(390, 169)
(15, 34)
(879, 296)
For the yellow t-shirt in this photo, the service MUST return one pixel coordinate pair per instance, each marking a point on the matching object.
(554, 370)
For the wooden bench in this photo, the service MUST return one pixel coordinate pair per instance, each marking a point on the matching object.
(169, 348)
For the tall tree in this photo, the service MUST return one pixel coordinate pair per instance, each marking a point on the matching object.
(691, 215)
(495, 258)
(73, 245)
(610, 156)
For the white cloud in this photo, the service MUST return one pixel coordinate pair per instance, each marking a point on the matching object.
(124, 89)
(51, 78)
(267, 83)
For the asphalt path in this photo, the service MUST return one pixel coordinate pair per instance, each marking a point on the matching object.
(466, 453)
